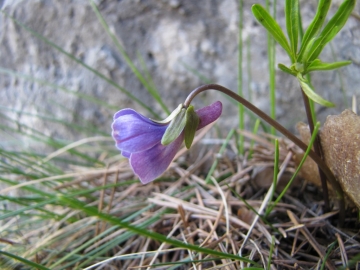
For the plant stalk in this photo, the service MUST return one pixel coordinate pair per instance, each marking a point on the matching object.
(317, 150)
(319, 161)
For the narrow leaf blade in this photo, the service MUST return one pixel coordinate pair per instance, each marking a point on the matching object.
(312, 94)
(318, 65)
(271, 26)
(286, 69)
(315, 25)
(292, 23)
(333, 27)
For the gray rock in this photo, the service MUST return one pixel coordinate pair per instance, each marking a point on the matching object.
(172, 37)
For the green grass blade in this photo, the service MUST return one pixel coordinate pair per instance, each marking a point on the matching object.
(313, 137)
(47, 117)
(134, 69)
(292, 23)
(327, 255)
(69, 55)
(93, 211)
(272, 27)
(248, 66)
(315, 26)
(151, 85)
(240, 78)
(105, 247)
(301, 29)
(263, 218)
(24, 261)
(276, 172)
(272, 246)
(196, 72)
(255, 131)
(221, 151)
(64, 89)
(331, 29)
(271, 66)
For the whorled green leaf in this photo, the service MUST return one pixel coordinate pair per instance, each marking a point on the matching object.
(305, 86)
(307, 50)
(286, 69)
(297, 68)
(192, 123)
(318, 65)
(175, 128)
(331, 29)
(292, 23)
(315, 26)
(272, 27)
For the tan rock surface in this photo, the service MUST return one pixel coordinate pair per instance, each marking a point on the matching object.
(340, 140)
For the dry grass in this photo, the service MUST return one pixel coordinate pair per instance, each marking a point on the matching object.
(297, 234)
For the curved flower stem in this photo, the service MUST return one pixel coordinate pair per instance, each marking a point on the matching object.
(324, 168)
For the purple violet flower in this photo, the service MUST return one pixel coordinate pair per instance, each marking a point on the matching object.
(139, 139)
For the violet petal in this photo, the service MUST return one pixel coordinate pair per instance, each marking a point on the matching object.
(209, 114)
(134, 132)
(150, 164)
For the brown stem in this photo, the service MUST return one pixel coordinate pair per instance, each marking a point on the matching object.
(324, 168)
(317, 149)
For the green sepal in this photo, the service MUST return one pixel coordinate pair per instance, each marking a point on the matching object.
(192, 123)
(170, 117)
(318, 65)
(305, 86)
(175, 128)
(286, 69)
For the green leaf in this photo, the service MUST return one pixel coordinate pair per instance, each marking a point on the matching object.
(317, 64)
(333, 27)
(286, 69)
(272, 27)
(175, 128)
(292, 23)
(310, 145)
(192, 123)
(311, 93)
(315, 26)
